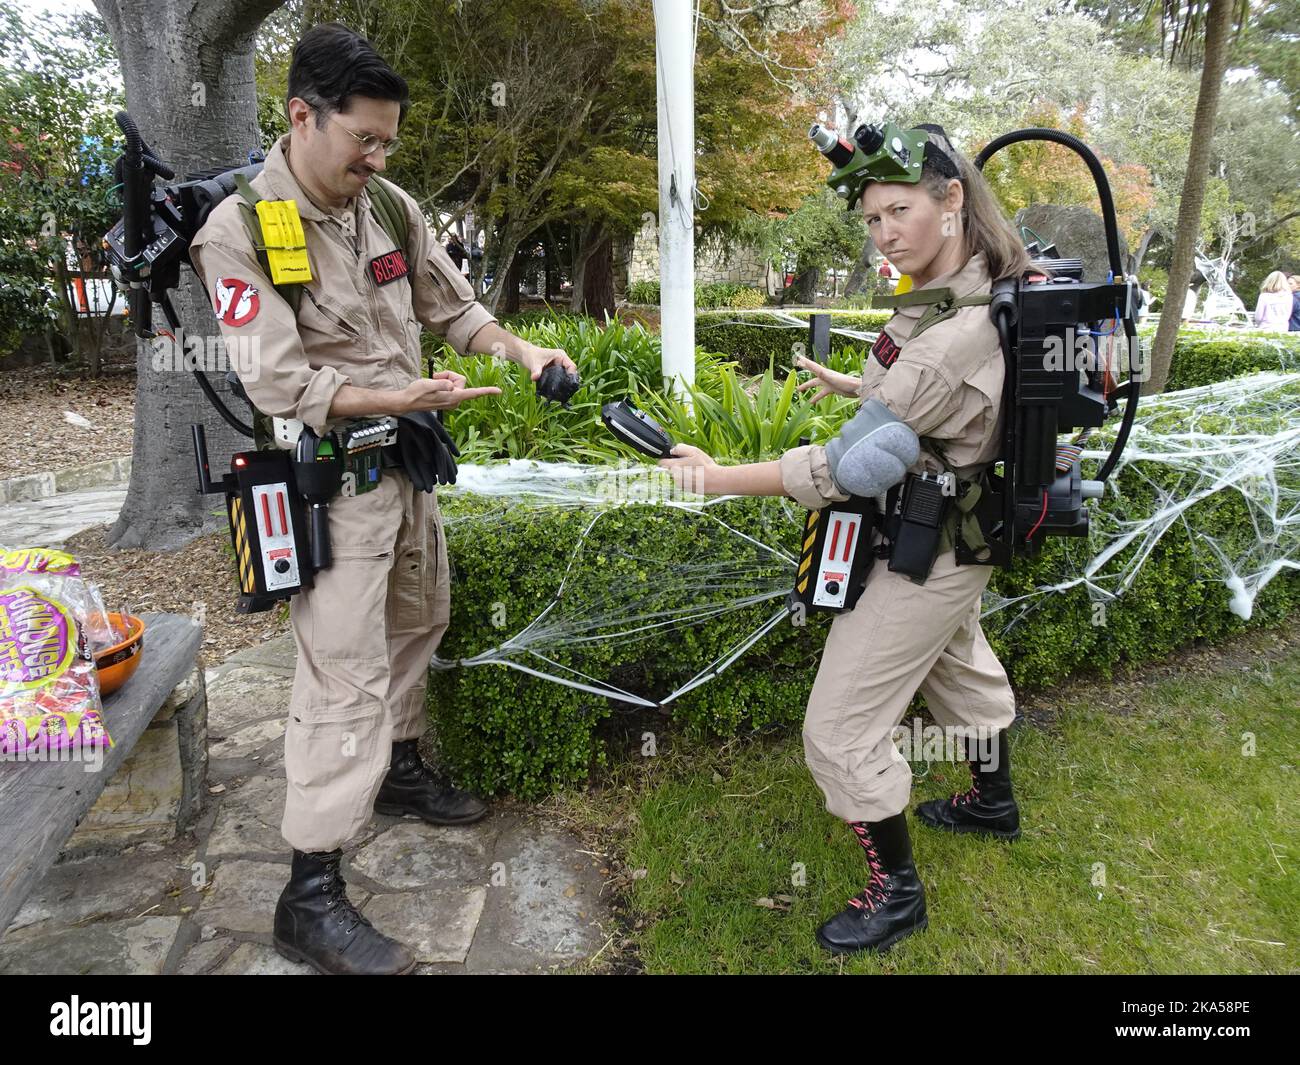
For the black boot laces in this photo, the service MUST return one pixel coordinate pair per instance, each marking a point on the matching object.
(337, 901)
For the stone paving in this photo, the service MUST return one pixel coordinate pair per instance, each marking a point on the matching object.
(508, 895)
(55, 519)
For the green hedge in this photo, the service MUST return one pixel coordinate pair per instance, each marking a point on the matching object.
(1201, 358)
(505, 731)
(756, 341)
(713, 294)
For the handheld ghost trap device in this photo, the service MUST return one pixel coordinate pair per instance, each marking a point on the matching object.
(1071, 350)
(636, 429)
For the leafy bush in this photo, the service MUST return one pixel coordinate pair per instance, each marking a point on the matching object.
(746, 419)
(757, 341)
(715, 294)
(643, 292)
(1201, 358)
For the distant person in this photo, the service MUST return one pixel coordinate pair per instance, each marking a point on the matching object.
(1294, 324)
(1144, 302)
(1189, 303)
(1274, 308)
(456, 250)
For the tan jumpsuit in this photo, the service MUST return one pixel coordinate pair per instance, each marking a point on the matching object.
(366, 631)
(901, 637)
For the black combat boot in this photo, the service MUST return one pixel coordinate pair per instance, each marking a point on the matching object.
(986, 807)
(893, 904)
(316, 923)
(411, 787)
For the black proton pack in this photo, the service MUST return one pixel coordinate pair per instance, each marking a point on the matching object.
(1059, 337)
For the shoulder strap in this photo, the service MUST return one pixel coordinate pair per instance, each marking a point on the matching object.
(389, 210)
(939, 304)
(917, 297)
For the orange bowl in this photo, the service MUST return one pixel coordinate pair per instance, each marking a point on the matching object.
(116, 664)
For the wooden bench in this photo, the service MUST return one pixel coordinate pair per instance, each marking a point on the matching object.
(41, 803)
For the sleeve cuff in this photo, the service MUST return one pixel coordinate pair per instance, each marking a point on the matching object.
(318, 396)
(806, 477)
(470, 321)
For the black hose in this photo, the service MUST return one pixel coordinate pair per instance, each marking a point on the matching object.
(1111, 226)
(1094, 165)
(228, 416)
(155, 164)
(134, 145)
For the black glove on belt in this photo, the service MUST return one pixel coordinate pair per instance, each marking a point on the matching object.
(426, 450)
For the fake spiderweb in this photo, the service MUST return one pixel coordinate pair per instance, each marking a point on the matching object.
(1234, 439)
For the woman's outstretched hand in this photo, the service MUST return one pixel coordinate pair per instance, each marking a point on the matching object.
(687, 465)
(828, 382)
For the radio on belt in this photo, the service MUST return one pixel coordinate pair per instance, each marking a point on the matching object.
(267, 523)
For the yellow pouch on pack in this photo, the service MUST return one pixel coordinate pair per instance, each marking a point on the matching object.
(286, 244)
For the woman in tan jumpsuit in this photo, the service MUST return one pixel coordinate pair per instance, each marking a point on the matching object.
(945, 386)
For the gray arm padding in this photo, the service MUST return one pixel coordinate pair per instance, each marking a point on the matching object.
(872, 451)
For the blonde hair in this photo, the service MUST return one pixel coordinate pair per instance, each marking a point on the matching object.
(1275, 282)
(985, 227)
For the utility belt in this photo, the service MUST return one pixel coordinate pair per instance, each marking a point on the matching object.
(925, 515)
(277, 501)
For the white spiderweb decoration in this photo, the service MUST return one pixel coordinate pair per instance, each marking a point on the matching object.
(1240, 436)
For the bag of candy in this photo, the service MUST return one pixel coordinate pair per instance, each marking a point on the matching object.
(49, 690)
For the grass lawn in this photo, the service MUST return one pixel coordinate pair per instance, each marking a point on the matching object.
(1153, 843)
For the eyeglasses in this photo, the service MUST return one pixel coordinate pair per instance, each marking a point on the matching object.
(368, 143)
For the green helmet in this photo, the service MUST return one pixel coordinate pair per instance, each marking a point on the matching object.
(876, 154)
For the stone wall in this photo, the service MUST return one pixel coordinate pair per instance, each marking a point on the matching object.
(743, 266)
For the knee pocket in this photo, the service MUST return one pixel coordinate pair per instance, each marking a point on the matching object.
(324, 743)
(347, 608)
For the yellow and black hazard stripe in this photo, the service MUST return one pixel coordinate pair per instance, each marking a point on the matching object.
(806, 556)
(243, 550)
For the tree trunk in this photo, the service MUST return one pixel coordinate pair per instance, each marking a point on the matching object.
(1218, 26)
(1135, 260)
(803, 290)
(188, 71)
(598, 281)
(504, 253)
(514, 279)
(861, 272)
(593, 273)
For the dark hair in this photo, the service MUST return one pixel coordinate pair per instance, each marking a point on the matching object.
(332, 63)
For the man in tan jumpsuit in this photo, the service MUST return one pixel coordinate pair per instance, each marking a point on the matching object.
(367, 629)
(940, 387)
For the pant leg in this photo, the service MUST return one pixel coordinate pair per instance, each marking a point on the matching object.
(876, 657)
(419, 608)
(338, 740)
(967, 686)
